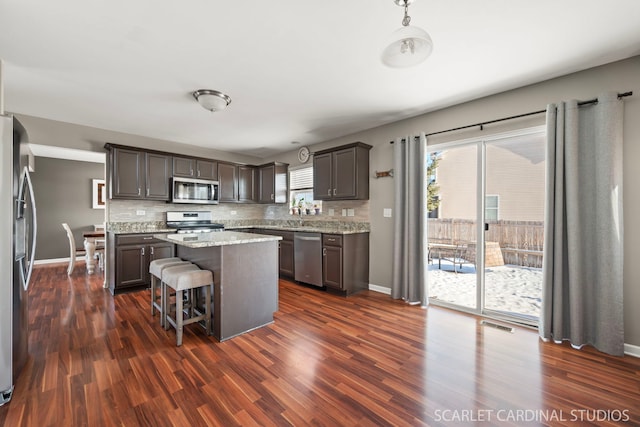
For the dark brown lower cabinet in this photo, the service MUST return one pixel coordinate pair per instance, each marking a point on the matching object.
(345, 262)
(129, 258)
(285, 253)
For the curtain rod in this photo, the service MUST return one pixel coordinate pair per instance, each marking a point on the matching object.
(591, 101)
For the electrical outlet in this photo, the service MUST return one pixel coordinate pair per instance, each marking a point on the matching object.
(234, 212)
(140, 212)
(386, 212)
(344, 212)
(332, 212)
(351, 212)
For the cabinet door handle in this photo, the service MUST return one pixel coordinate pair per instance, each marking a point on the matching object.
(331, 240)
(335, 191)
(148, 238)
(198, 173)
(138, 191)
(272, 197)
(151, 249)
(142, 253)
(328, 192)
(324, 251)
(147, 191)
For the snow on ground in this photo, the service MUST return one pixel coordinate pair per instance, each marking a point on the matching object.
(508, 288)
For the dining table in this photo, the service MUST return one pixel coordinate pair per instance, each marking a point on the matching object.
(90, 240)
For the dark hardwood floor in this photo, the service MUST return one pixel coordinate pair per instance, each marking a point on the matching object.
(327, 360)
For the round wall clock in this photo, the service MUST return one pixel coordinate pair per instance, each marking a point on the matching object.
(303, 154)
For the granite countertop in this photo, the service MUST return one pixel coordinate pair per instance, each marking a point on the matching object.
(138, 227)
(327, 227)
(217, 238)
(305, 229)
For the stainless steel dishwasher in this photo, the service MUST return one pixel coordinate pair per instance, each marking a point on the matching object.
(307, 250)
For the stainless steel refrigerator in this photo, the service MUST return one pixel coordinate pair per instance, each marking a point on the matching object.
(18, 229)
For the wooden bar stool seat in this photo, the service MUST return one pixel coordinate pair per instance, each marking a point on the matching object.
(155, 269)
(186, 278)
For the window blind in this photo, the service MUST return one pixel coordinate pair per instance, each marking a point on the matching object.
(301, 179)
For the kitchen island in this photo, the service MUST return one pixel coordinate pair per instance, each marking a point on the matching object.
(245, 276)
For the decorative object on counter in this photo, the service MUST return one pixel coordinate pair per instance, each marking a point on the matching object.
(212, 100)
(407, 46)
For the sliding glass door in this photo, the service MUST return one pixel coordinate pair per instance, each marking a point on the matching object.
(514, 214)
(485, 227)
(452, 225)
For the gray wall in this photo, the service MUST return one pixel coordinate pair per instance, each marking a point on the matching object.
(63, 194)
(620, 76)
(68, 135)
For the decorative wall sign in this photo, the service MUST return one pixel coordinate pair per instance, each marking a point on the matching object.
(99, 194)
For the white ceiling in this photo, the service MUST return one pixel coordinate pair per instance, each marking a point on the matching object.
(304, 71)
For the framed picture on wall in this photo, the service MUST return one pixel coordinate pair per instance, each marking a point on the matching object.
(99, 194)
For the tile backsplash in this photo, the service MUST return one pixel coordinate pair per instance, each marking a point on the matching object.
(151, 211)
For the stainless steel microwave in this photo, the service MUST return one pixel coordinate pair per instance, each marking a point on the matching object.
(190, 190)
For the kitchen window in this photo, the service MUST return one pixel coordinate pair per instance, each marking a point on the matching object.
(301, 192)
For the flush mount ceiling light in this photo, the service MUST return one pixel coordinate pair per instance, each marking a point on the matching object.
(212, 100)
(407, 46)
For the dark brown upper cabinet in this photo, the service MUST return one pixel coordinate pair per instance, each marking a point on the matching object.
(342, 173)
(146, 174)
(273, 183)
(195, 168)
(138, 175)
(247, 185)
(228, 179)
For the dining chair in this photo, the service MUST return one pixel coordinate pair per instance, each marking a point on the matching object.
(73, 252)
(100, 246)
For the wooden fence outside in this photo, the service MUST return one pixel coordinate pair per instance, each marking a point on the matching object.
(520, 241)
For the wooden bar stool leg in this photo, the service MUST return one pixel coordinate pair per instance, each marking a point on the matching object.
(207, 309)
(163, 306)
(153, 296)
(179, 317)
(167, 305)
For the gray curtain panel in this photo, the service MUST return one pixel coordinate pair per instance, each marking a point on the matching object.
(583, 247)
(410, 221)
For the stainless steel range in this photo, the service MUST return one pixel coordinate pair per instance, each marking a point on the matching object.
(192, 222)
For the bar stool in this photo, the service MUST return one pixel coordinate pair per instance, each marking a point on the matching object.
(181, 278)
(155, 269)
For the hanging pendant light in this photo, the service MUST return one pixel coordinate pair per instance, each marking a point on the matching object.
(407, 46)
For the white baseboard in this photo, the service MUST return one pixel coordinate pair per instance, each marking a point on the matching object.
(632, 350)
(381, 289)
